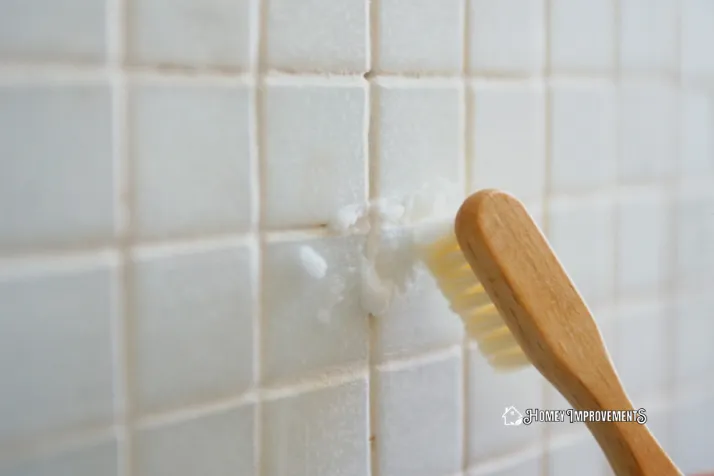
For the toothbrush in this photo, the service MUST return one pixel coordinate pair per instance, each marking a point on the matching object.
(501, 276)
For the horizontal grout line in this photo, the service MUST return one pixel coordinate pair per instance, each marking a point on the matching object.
(56, 443)
(429, 357)
(19, 72)
(190, 412)
(162, 249)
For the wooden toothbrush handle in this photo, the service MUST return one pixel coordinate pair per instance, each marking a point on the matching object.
(632, 450)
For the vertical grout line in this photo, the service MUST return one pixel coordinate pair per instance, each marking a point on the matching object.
(545, 215)
(671, 286)
(616, 205)
(372, 191)
(467, 151)
(116, 24)
(259, 33)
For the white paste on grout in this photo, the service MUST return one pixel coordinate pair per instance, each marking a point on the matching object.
(314, 264)
(394, 228)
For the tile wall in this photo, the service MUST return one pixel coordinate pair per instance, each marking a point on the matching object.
(161, 162)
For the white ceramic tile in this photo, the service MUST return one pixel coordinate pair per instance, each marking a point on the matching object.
(315, 151)
(319, 433)
(648, 35)
(419, 425)
(582, 457)
(491, 393)
(582, 236)
(45, 30)
(511, 466)
(507, 36)
(509, 134)
(316, 324)
(642, 358)
(56, 147)
(190, 33)
(583, 137)
(691, 431)
(642, 242)
(318, 35)
(100, 458)
(582, 35)
(56, 364)
(648, 131)
(418, 320)
(697, 36)
(418, 36)
(694, 355)
(697, 135)
(216, 444)
(695, 237)
(193, 324)
(191, 152)
(419, 135)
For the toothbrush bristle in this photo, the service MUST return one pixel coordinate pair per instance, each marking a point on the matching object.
(469, 300)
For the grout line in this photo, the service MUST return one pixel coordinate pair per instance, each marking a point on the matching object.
(260, 44)
(124, 207)
(467, 170)
(671, 284)
(372, 192)
(546, 394)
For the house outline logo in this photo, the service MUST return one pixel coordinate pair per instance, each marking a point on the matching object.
(512, 417)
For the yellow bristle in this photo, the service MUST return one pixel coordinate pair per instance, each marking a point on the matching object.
(469, 300)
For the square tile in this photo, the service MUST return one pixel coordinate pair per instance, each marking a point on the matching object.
(643, 358)
(56, 144)
(643, 221)
(509, 134)
(648, 131)
(215, 444)
(417, 320)
(419, 135)
(56, 364)
(694, 237)
(492, 392)
(697, 34)
(418, 36)
(318, 36)
(419, 427)
(191, 150)
(193, 324)
(96, 458)
(696, 155)
(317, 324)
(46, 30)
(319, 433)
(648, 35)
(507, 36)
(582, 457)
(190, 33)
(694, 356)
(315, 151)
(583, 137)
(582, 36)
(692, 425)
(582, 236)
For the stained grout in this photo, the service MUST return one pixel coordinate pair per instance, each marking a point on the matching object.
(124, 208)
(545, 390)
(372, 192)
(466, 170)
